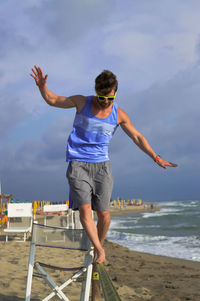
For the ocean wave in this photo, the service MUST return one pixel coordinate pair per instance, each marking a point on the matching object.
(162, 212)
(178, 247)
(123, 223)
(112, 234)
(180, 204)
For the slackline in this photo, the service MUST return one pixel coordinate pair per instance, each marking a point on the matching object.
(109, 291)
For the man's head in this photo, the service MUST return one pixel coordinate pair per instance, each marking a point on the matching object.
(105, 83)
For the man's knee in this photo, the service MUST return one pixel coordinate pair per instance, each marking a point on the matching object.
(85, 211)
(103, 216)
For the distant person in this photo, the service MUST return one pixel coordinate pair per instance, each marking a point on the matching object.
(89, 172)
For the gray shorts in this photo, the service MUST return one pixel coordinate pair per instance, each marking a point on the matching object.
(90, 183)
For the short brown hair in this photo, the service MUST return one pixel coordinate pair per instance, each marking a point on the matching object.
(106, 82)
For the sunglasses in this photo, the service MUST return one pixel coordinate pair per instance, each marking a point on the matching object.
(109, 98)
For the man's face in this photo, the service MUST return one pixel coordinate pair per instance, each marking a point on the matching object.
(106, 102)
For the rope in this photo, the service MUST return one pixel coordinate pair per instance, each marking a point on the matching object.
(109, 291)
(48, 266)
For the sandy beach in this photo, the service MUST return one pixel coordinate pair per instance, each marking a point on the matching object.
(134, 209)
(136, 276)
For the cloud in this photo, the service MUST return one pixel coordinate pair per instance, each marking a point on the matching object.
(11, 113)
(149, 52)
(66, 22)
(12, 41)
(41, 154)
(29, 168)
(168, 111)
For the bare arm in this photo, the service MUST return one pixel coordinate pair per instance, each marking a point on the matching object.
(139, 139)
(51, 98)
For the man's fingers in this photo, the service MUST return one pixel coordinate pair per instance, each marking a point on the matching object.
(32, 75)
(38, 75)
(173, 164)
(170, 164)
(164, 163)
(40, 72)
(34, 72)
(36, 68)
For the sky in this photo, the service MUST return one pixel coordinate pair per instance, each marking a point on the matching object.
(152, 46)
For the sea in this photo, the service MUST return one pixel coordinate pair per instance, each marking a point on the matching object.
(174, 231)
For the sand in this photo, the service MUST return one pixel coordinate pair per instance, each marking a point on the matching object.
(139, 276)
(136, 276)
(134, 209)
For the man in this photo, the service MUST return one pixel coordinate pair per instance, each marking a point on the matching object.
(89, 173)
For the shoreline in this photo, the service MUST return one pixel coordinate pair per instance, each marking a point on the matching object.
(134, 209)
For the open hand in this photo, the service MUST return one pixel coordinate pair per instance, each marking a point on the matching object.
(164, 164)
(39, 77)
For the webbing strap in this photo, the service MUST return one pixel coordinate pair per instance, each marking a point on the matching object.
(109, 291)
(58, 268)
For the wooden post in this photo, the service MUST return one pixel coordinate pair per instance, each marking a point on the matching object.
(96, 293)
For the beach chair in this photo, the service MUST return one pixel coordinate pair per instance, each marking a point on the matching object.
(20, 219)
(58, 237)
(61, 216)
(56, 215)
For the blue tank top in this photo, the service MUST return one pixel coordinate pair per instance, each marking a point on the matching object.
(90, 136)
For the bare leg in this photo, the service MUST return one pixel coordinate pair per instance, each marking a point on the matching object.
(103, 225)
(91, 230)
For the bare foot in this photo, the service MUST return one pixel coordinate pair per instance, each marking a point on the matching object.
(99, 256)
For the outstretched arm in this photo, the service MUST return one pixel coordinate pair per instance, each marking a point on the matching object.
(51, 98)
(140, 140)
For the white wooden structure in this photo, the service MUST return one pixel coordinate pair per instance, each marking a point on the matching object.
(60, 216)
(20, 218)
(56, 215)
